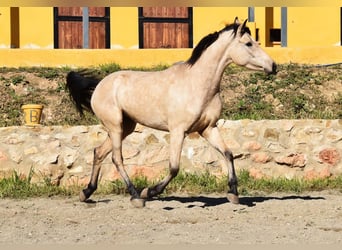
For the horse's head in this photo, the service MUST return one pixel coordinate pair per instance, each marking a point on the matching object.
(245, 51)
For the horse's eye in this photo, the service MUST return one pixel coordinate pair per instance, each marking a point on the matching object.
(249, 44)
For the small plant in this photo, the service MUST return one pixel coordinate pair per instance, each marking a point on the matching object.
(109, 68)
(49, 73)
(20, 187)
(296, 92)
(17, 79)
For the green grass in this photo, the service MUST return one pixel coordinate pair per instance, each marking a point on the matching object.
(298, 89)
(19, 187)
(296, 92)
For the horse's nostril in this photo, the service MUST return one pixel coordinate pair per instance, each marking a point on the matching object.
(274, 68)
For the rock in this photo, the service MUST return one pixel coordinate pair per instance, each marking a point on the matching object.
(256, 173)
(275, 148)
(312, 130)
(151, 155)
(334, 135)
(292, 160)
(208, 155)
(16, 155)
(232, 144)
(15, 139)
(76, 170)
(190, 152)
(129, 152)
(3, 156)
(193, 136)
(46, 157)
(220, 123)
(252, 146)
(261, 157)
(31, 150)
(69, 156)
(151, 173)
(271, 134)
(248, 133)
(75, 142)
(53, 144)
(330, 156)
(288, 125)
(150, 139)
(139, 128)
(313, 174)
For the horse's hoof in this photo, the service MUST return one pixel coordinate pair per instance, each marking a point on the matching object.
(138, 202)
(82, 196)
(232, 198)
(144, 193)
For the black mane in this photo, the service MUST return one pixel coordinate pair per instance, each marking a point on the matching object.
(210, 39)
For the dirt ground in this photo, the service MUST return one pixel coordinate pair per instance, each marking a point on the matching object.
(206, 219)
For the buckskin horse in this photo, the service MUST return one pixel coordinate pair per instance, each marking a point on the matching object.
(181, 99)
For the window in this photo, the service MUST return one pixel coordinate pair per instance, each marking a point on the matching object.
(165, 27)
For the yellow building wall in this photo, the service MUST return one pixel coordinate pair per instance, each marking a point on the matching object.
(210, 19)
(313, 26)
(308, 41)
(124, 27)
(36, 27)
(5, 30)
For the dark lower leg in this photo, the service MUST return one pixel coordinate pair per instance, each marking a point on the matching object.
(87, 192)
(214, 138)
(117, 160)
(159, 188)
(232, 194)
(176, 143)
(232, 179)
(100, 154)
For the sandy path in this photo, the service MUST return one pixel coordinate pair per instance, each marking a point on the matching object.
(279, 218)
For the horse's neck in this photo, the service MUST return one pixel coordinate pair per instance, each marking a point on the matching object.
(210, 66)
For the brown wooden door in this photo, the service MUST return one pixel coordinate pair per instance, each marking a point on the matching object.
(69, 28)
(165, 27)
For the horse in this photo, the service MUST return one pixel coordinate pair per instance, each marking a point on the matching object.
(180, 99)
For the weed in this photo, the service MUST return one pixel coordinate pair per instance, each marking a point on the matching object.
(49, 73)
(17, 79)
(109, 68)
(19, 186)
(296, 92)
(297, 89)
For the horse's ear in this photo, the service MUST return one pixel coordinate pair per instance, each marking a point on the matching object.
(241, 28)
(236, 24)
(244, 24)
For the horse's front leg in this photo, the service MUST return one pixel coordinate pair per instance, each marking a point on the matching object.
(176, 143)
(100, 154)
(213, 136)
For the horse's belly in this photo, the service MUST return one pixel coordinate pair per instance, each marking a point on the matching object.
(149, 118)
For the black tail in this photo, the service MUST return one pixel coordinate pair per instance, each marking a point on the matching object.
(81, 86)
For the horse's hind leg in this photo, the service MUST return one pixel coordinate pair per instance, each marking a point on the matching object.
(116, 136)
(100, 154)
(213, 136)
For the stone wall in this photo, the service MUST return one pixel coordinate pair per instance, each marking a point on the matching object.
(287, 148)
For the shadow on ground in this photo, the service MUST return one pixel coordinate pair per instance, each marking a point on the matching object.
(245, 201)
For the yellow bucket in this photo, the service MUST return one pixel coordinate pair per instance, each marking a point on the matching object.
(32, 114)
